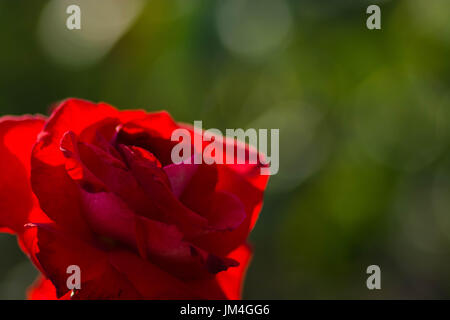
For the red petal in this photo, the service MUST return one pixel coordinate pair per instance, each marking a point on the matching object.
(43, 289)
(221, 243)
(161, 243)
(251, 172)
(152, 133)
(196, 185)
(57, 251)
(226, 213)
(156, 185)
(231, 281)
(180, 175)
(197, 194)
(105, 274)
(56, 191)
(243, 181)
(17, 136)
(227, 284)
(150, 281)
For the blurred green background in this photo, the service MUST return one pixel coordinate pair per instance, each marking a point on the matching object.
(364, 119)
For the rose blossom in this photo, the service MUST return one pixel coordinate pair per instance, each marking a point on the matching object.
(95, 187)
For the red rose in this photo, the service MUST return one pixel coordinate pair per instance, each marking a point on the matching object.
(95, 187)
